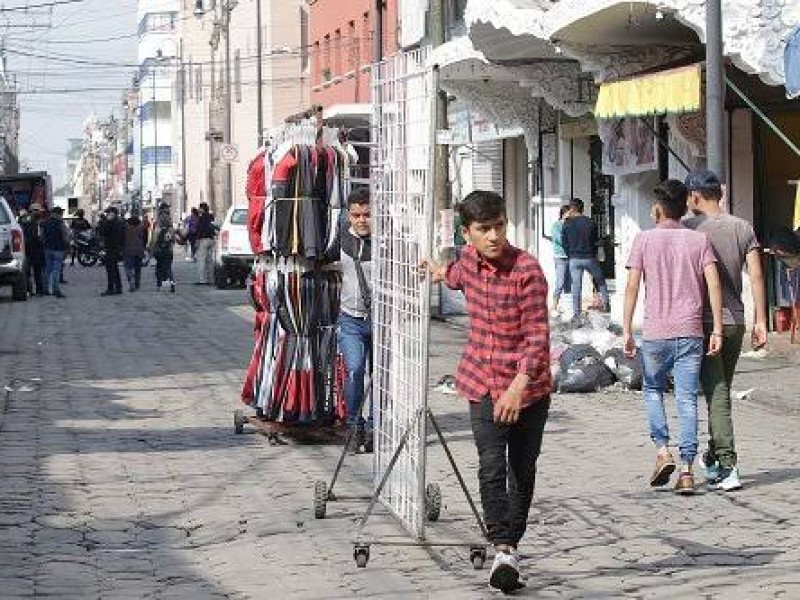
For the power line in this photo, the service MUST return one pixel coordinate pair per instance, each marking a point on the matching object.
(50, 4)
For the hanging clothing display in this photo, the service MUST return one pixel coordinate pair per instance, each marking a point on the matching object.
(295, 194)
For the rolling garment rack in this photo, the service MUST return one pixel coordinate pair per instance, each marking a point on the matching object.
(404, 98)
(296, 187)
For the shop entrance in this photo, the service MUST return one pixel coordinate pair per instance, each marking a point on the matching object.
(603, 208)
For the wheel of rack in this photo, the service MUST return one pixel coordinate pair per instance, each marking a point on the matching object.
(320, 499)
(477, 557)
(361, 555)
(433, 502)
(238, 422)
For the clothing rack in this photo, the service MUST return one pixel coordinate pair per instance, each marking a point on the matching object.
(296, 187)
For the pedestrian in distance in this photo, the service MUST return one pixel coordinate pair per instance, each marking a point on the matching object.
(563, 279)
(580, 240)
(736, 247)
(78, 227)
(190, 234)
(677, 265)
(112, 231)
(504, 371)
(34, 250)
(162, 242)
(206, 231)
(354, 329)
(133, 252)
(55, 241)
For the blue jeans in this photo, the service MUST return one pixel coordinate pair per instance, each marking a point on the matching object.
(683, 357)
(576, 268)
(355, 344)
(53, 263)
(563, 278)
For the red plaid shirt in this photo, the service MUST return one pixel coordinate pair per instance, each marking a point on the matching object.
(509, 327)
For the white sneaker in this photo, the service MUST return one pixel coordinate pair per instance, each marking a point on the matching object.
(505, 573)
(728, 480)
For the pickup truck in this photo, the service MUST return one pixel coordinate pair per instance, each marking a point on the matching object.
(12, 253)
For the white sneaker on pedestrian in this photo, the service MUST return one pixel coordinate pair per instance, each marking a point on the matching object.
(728, 480)
(505, 574)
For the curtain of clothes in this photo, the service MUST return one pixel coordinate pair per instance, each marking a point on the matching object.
(296, 194)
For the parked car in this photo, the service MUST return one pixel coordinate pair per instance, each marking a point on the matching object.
(234, 257)
(12, 253)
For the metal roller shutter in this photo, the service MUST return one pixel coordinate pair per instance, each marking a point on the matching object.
(487, 166)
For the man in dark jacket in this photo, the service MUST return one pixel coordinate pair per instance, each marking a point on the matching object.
(55, 240)
(34, 251)
(78, 226)
(580, 239)
(112, 231)
(206, 231)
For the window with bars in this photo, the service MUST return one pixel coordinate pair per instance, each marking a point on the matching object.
(198, 83)
(158, 22)
(237, 76)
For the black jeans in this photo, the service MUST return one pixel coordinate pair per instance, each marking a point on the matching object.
(163, 269)
(507, 457)
(113, 275)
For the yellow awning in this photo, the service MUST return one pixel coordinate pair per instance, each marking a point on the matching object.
(673, 91)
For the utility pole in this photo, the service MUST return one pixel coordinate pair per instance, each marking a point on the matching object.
(182, 75)
(715, 91)
(226, 24)
(259, 74)
(441, 199)
(155, 127)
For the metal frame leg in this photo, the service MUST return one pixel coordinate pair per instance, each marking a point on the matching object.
(457, 472)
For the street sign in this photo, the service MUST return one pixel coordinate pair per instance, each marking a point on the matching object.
(229, 153)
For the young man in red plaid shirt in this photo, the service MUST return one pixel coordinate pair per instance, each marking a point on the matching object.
(504, 371)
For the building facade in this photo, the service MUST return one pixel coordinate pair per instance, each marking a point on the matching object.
(224, 51)
(532, 71)
(155, 174)
(342, 47)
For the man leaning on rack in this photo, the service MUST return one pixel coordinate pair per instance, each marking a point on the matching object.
(355, 320)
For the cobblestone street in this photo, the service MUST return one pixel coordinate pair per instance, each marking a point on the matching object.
(121, 476)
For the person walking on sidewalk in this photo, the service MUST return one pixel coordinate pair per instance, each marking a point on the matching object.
(34, 251)
(735, 246)
(55, 241)
(162, 243)
(133, 252)
(504, 371)
(190, 234)
(676, 264)
(113, 233)
(355, 319)
(580, 240)
(206, 231)
(563, 280)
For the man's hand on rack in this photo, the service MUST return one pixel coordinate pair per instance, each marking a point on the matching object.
(436, 271)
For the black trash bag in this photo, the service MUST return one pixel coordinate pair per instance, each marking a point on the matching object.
(627, 370)
(578, 352)
(586, 375)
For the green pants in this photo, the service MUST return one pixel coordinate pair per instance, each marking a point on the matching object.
(716, 377)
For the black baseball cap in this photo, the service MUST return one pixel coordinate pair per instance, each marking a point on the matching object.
(703, 181)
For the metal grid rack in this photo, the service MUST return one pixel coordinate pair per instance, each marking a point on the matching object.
(405, 91)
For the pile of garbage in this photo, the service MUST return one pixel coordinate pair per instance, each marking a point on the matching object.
(586, 356)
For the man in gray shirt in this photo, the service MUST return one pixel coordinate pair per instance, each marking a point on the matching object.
(355, 321)
(735, 245)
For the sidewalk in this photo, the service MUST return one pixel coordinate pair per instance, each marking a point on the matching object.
(122, 477)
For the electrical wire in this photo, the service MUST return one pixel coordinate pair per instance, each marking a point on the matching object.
(50, 4)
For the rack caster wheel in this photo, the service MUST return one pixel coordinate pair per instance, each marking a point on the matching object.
(433, 502)
(361, 555)
(238, 422)
(477, 557)
(320, 499)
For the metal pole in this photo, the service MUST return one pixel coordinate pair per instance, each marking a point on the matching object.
(715, 91)
(184, 197)
(155, 129)
(226, 23)
(259, 74)
(141, 146)
(442, 152)
(378, 52)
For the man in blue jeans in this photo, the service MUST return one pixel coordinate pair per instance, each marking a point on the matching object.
(55, 240)
(677, 264)
(355, 321)
(579, 239)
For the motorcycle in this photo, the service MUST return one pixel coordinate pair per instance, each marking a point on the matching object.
(89, 250)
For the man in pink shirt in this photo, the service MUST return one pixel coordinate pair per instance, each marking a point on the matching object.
(677, 264)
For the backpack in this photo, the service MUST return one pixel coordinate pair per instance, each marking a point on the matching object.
(164, 241)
